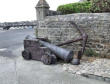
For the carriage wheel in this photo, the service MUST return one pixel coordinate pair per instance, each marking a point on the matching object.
(26, 55)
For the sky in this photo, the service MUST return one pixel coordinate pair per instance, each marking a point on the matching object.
(24, 10)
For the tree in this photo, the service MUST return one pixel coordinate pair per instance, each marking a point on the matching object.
(100, 6)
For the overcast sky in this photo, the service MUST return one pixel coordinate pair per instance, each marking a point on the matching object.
(22, 10)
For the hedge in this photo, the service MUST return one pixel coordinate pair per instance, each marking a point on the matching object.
(79, 7)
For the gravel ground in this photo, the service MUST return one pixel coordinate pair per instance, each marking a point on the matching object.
(99, 67)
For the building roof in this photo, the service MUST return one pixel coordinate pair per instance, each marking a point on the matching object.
(42, 3)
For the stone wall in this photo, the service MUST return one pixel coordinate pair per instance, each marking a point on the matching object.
(96, 25)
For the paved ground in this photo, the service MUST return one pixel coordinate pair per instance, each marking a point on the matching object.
(15, 70)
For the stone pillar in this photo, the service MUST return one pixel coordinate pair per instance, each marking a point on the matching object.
(42, 9)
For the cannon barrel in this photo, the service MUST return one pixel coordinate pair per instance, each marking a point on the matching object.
(66, 55)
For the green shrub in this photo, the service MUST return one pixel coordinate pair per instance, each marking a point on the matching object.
(75, 7)
(100, 6)
(90, 53)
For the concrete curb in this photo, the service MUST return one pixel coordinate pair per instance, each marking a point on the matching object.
(96, 77)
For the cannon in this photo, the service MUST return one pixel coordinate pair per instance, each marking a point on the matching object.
(41, 50)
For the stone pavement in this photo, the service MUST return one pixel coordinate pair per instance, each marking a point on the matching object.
(20, 71)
